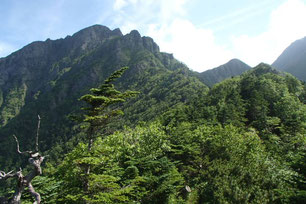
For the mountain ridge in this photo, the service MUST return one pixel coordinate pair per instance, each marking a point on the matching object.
(48, 77)
(293, 59)
(232, 68)
(179, 141)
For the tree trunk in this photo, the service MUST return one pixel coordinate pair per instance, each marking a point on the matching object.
(25, 181)
(35, 159)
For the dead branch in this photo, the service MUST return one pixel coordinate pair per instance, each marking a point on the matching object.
(37, 133)
(30, 153)
(25, 181)
(5, 176)
(18, 149)
(35, 159)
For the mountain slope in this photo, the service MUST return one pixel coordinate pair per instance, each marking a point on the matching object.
(232, 68)
(246, 134)
(35, 68)
(293, 59)
(242, 141)
(47, 78)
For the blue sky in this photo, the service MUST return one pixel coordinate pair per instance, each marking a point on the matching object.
(201, 33)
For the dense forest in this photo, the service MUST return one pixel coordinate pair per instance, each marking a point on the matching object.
(150, 133)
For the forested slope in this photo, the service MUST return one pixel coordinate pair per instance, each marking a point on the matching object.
(232, 68)
(47, 78)
(240, 141)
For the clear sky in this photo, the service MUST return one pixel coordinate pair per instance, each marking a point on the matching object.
(201, 33)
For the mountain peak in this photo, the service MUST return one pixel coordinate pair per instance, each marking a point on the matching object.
(134, 38)
(135, 34)
(232, 68)
(96, 30)
(117, 31)
(96, 33)
(235, 60)
(91, 37)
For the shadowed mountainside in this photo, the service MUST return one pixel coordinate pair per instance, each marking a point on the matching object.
(232, 68)
(293, 59)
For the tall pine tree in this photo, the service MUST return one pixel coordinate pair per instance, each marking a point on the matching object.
(99, 112)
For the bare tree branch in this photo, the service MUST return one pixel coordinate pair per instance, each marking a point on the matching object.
(35, 159)
(18, 149)
(37, 133)
(5, 176)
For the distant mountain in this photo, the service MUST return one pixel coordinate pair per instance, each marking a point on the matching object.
(232, 68)
(177, 142)
(293, 59)
(47, 78)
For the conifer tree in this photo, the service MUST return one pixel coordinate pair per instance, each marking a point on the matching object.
(99, 113)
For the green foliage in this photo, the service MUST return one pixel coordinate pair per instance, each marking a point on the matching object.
(161, 91)
(202, 152)
(74, 71)
(154, 164)
(98, 115)
(47, 187)
(103, 179)
(102, 97)
(12, 104)
(126, 166)
(1, 98)
(229, 104)
(242, 141)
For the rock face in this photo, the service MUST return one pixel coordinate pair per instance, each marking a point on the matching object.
(232, 68)
(47, 78)
(32, 70)
(293, 59)
(36, 68)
